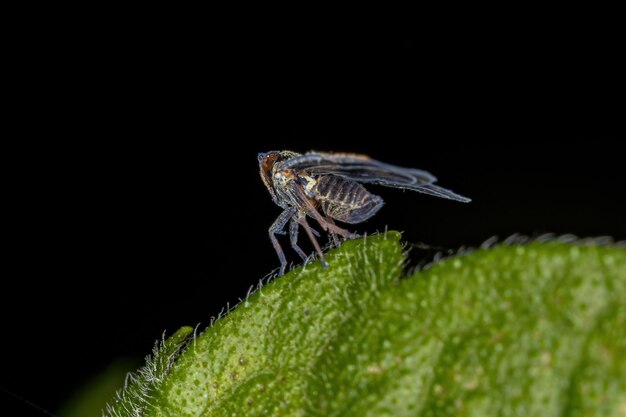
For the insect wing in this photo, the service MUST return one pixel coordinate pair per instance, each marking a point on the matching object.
(365, 170)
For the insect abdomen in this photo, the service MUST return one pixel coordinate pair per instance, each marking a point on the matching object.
(345, 200)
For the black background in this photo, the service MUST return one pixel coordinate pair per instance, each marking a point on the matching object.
(151, 215)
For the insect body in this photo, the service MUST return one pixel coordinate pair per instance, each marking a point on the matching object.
(327, 187)
(345, 200)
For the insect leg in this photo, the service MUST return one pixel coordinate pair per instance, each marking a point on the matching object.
(333, 235)
(293, 235)
(302, 222)
(326, 225)
(329, 225)
(277, 228)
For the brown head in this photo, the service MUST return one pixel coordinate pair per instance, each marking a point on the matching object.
(266, 167)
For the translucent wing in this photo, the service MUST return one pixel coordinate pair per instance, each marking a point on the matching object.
(365, 170)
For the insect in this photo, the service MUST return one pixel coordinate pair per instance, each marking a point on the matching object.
(327, 187)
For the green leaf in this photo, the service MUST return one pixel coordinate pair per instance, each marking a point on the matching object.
(528, 330)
